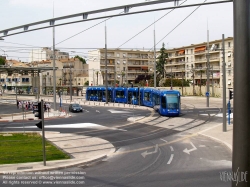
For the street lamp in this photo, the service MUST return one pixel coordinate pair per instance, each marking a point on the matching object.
(70, 79)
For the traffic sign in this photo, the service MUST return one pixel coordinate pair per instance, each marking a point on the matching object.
(207, 94)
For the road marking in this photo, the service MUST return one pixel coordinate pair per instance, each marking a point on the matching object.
(164, 140)
(116, 111)
(190, 150)
(144, 154)
(171, 158)
(202, 146)
(98, 111)
(219, 115)
(172, 149)
(212, 110)
(75, 125)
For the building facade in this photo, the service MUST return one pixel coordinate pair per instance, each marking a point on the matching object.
(123, 66)
(46, 53)
(191, 61)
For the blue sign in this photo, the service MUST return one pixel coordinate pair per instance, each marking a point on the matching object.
(207, 94)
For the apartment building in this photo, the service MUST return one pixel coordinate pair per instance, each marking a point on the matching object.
(123, 66)
(190, 63)
(12, 81)
(70, 71)
(46, 53)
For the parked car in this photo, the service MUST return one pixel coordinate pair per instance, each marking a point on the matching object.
(75, 108)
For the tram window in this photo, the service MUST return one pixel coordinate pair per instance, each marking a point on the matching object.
(120, 94)
(146, 96)
(93, 93)
(163, 102)
(172, 101)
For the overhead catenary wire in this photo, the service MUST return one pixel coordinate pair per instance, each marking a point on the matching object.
(86, 29)
(150, 25)
(178, 25)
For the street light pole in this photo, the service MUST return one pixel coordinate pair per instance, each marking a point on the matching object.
(224, 86)
(106, 71)
(154, 63)
(70, 77)
(208, 66)
(54, 68)
(171, 79)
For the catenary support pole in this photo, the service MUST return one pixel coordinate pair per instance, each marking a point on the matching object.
(70, 74)
(224, 86)
(154, 63)
(54, 69)
(208, 69)
(43, 133)
(106, 71)
(241, 101)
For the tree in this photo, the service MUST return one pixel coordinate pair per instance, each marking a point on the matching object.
(2, 61)
(123, 74)
(86, 83)
(161, 60)
(81, 59)
(97, 73)
(141, 78)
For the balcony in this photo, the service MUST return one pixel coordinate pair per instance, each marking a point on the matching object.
(137, 63)
(175, 63)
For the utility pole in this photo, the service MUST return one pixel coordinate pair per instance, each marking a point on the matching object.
(171, 79)
(70, 77)
(106, 75)
(193, 82)
(208, 66)
(154, 62)
(224, 86)
(200, 80)
(212, 82)
(115, 76)
(52, 22)
(241, 101)
(182, 83)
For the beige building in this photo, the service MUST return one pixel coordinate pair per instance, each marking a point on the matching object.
(123, 66)
(46, 53)
(68, 69)
(12, 81)
(190, 62)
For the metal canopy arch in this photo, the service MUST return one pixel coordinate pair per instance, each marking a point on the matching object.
(84, 15)
(18, 69)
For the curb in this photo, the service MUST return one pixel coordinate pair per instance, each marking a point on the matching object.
(216, 139)
(57, 167)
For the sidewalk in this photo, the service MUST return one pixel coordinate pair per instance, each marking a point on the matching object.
(216, 133)
(83, 150)
(86, 149)
(28, 115)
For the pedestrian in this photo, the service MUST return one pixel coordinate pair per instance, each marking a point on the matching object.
(17, 104)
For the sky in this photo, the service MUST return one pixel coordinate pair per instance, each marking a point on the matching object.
(217, 18)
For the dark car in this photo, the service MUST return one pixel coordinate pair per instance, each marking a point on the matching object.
(75, 108)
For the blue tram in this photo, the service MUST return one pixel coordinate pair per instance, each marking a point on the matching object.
(165, 102)
(99, 94)
(133, 96)
(170, 103)
(120, 95)
(147, 95)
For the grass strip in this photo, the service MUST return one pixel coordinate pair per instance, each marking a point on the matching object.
(23, 148)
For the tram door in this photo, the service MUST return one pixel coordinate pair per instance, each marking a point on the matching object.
(99, 95)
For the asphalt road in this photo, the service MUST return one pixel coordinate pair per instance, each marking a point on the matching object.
(159, 151)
